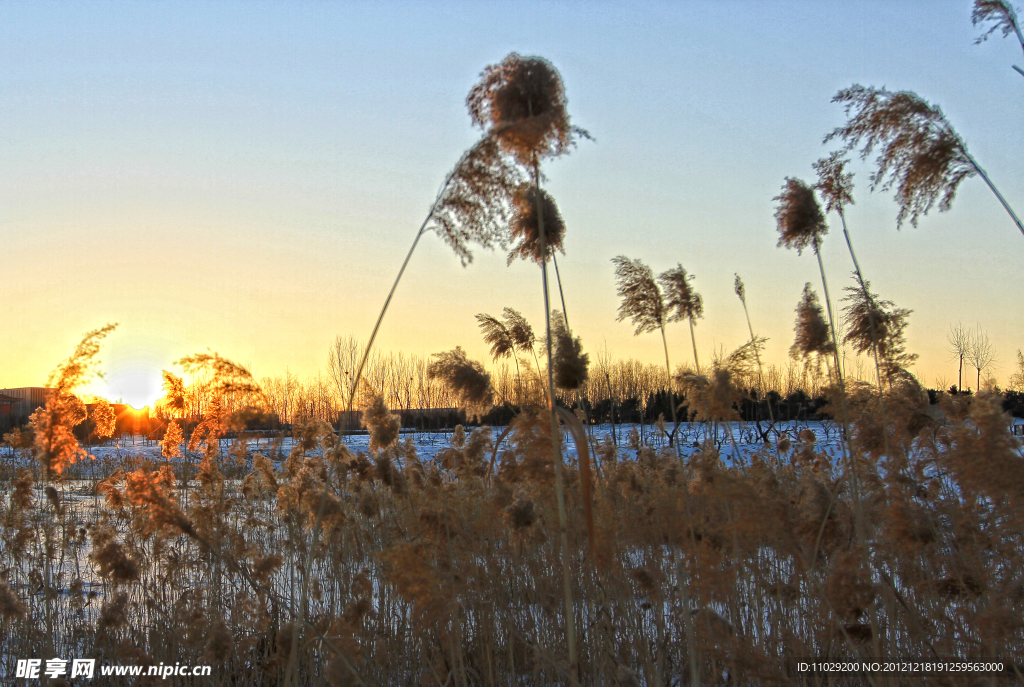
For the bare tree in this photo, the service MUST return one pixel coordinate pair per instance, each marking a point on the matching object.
(1017, 378)
(981, 353)
(343, 359)
(959, 344)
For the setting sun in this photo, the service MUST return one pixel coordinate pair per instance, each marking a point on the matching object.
(136, 387)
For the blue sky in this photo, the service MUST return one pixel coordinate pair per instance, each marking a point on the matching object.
(246, 177)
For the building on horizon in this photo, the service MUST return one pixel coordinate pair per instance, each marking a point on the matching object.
(16, 405)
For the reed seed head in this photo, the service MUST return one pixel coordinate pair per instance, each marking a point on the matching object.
(522, 513)
(526, 243)
(521, 102)
(382, 425)
(834, 184)
(570, 362)
(465, 378)
(999, 12)
(800, 220)
(642, 301)
(114, 613)
(681, 301)
(873, 322)
(11, 607)
(496, 334)
(519, 329)
(812, 332)
(738, 287)
(477, 199)
(921, 155)
(174, 392)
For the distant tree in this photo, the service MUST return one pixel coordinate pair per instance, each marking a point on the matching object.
(1017, 378)
(959, 344)
(981, 353)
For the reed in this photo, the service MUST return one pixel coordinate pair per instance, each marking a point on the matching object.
(921, 155)
(439, 570)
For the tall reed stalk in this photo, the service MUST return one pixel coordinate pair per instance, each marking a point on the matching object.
(522, 101)
(836, 186)
(801, 223)
(741, 292)
(644, 304)
(556, 451)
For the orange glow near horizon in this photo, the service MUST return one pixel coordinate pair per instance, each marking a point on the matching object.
(137, 388)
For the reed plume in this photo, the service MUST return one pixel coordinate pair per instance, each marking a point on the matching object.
(497, 336)
(170, 445)
(835, 184)
(644, 304)
(174, 393)
(508, 337)
(876, 324)
(812, 333)
(570, 361)
(109, 555)
(476, 200)
(227, 377)
(519, 329)
(55, 445)
(642, 301)
(521, 103)
(714, 397)
(465, 378)
(231, 390)
(920, 153)
(741, 293)
(11, 607)
(682, 302)
(103, 419)
(525, 230)
(151, 490)
(800, 220)
(382, 425)
(1003, 18)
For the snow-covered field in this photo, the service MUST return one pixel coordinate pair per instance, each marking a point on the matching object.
(728, 437)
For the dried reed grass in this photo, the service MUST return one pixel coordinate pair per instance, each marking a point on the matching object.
(465, 378)
(811, 331)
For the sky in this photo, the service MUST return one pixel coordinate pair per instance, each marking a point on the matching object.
(246, 178)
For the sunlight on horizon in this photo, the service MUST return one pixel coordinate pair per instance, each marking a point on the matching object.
(136, 387)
